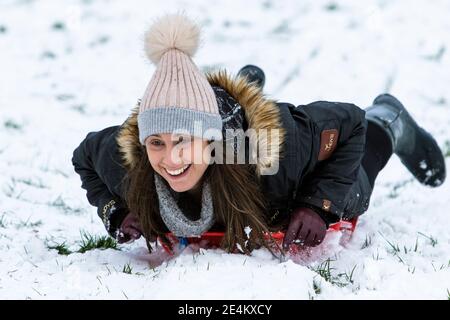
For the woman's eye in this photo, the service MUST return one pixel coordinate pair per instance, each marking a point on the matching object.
(156, 143)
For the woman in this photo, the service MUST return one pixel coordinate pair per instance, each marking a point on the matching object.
(162, 170)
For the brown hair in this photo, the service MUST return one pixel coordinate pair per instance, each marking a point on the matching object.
(237, 199)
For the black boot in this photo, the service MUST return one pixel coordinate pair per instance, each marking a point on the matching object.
(415, 147)
(253, 74)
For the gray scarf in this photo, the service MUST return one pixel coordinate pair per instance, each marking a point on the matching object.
(174, 218)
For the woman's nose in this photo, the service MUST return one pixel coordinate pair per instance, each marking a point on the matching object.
(173, 156)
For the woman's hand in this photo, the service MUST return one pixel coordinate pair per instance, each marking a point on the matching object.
(130, 229)
(305, 226)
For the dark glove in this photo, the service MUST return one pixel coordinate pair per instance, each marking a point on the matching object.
(130, 229)
(112, 212)
(306, 226)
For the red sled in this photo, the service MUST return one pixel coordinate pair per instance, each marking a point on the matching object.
(214, 239)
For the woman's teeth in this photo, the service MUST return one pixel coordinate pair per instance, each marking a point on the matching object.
(177, 172)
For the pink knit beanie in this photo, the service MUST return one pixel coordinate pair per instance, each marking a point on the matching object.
(178, 98)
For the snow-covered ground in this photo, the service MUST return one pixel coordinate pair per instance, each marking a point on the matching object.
(71, 67)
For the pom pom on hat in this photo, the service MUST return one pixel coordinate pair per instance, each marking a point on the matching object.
(172, 31)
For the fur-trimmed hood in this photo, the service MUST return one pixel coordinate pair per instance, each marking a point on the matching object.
(260, 113)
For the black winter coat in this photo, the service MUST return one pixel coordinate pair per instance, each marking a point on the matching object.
(319, 166)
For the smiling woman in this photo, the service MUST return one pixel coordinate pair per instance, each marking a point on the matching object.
(178, 159)
(216, 199)
(156, 173)
(180, 99)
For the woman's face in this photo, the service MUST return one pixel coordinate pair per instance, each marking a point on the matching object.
(178, 159)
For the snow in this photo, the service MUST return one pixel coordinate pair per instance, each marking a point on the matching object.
(423, 164)
(74, 67)
(247, 231)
